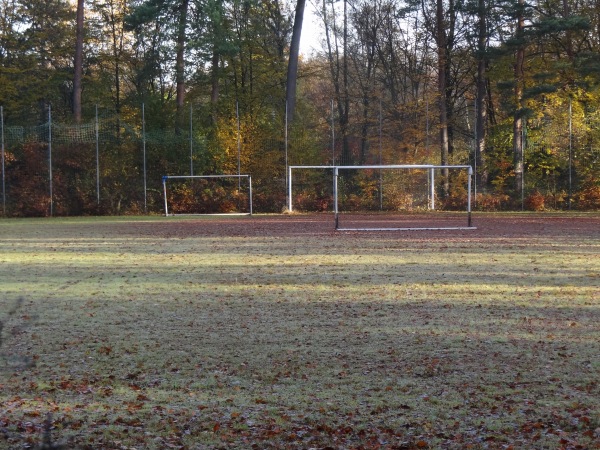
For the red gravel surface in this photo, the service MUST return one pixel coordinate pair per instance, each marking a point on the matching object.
(484, 226)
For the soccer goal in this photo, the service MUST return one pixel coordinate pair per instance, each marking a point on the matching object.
(401, 197)
(207, 194)
(310, 188)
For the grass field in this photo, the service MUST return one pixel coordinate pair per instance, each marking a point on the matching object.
(278, 332)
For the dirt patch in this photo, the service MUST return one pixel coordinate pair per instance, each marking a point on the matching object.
(486, 226)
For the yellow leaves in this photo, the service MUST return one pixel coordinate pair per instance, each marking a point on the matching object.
(249, 144)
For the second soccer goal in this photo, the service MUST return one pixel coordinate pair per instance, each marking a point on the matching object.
(402, 197)
(207, 194)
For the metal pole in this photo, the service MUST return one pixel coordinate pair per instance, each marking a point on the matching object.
(239, 144)
(469, 197)
(570, 152)
(250, 192)
(335, 196)
(475, 153)
(97, 160)
(50, 157)
(332, 136)
(191, 143)
(427, 125)
(3, 176)
(524, 139)
(289, 189)
(164, 180)
(144, 152)
(432, 189)
(380, 159)
(333, 151)
(286, 152)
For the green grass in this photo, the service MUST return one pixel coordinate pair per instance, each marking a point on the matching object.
(123, 333)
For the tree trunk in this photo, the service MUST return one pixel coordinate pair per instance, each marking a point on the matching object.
(180, 62)
(442, 43)
(518, 114)
(78, 63)
(481, 176)
(337, 69)
(345, 111)
(214, 75)
(292, 72)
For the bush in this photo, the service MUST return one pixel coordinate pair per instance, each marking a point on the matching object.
(305, 201)
(588, 198)
(535, 201)
(492, 202)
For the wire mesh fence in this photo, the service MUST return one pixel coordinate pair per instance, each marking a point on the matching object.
(113, 165)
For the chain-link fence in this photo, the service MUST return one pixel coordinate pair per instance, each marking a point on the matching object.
(112, 165)
(104, 166)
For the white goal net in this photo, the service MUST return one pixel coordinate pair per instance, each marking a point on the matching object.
(402, 197)
(207, 194)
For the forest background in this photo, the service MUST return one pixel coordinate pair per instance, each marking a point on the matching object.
(102, 98)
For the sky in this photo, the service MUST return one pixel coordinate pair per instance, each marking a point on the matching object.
(311, 31)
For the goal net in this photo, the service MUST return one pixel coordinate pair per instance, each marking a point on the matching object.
(310, 188)
(207, 195)
(402, 197)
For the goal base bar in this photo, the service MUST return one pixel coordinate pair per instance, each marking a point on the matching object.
(209, 214)
(407, 229)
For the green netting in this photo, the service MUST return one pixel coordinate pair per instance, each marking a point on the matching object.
(14, 135)
(106, 130)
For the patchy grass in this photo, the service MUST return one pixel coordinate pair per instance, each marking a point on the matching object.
(176, 333)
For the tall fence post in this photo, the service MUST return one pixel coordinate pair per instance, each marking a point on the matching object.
(570, 152)
(239, 145)
(380, 156)
(50, 158)
(191, 142)
(3, 175)
(144, 154)
(285, 144)
(333, 152)
(524, 145)
(97, 159)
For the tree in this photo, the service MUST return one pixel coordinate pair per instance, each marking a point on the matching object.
(542, 48)
(338, 67)
(46, 27)
(367, 22)
(78, 62)
(292, 73)
(168, 22)
(519, 72)
(481, 95)
(440, 20)
(182, 12)
(443, 65)
(113, 45)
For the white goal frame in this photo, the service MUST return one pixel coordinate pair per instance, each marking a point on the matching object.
(239, 177)
(431, 168)
(290, 168)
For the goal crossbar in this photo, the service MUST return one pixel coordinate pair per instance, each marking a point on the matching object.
(170, 177)
(429, 167)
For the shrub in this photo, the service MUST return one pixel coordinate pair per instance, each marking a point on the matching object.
(535, 201)
(588, 198)
(491, 202)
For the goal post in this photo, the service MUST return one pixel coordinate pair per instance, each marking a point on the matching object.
(240, 178)
(290, 178)
(430, 170)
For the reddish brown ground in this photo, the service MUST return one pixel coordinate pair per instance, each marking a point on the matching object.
(486, 225)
